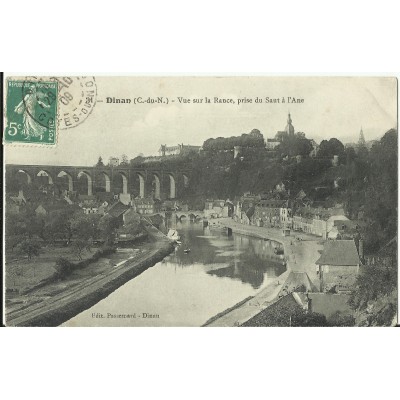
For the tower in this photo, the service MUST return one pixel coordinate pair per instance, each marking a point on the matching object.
(289, 127)
(361, 140)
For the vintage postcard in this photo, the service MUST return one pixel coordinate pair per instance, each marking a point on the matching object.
(200, 201)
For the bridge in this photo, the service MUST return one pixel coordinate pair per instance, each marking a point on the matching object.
(182, 215)
(160, 182)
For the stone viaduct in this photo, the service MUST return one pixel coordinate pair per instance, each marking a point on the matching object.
(126, 179)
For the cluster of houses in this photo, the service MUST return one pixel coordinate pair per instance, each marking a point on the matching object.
(342, 255)
(48, 203)
(296, 214)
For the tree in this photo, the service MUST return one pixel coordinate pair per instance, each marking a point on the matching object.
(100, 162)
(58, 224)
(107, 227)
(85, 227)
(78, 246)
(137, 160)
(293, 145)
(124, 159)
(63, 267)
(309, 319)
(14, 230)
(379, 178)
(372, 283)
(30, 247)
(330, 148)
(338, 319)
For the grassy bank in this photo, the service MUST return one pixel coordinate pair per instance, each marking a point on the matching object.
(59, 302)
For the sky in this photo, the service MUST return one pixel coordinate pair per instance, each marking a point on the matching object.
(333, 107)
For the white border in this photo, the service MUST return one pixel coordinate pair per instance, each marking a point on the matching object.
(210, 38)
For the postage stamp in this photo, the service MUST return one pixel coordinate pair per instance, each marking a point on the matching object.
(31, 112)
(76, 98)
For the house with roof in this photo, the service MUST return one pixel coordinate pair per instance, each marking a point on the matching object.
(279, 313)
(242, 204)
(338, 265)
(147, 206)
(336, 214)
(130, 216)
(92, 209)
(20, 199)
(247, 216)
(319, 221)
(271, 212)
(67, 199)
(343, 229)
(43, 209)
(16, 203)
(271, 144)
(117, 210)
(85, 199)
(218, 208)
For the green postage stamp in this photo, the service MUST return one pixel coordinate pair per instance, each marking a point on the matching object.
(31, 112)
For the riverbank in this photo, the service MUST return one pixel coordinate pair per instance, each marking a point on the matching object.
(301, 251)
(69, 300)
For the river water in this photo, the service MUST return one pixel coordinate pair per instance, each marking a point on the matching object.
(186, 289)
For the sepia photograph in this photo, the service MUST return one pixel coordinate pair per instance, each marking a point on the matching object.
(193, 201)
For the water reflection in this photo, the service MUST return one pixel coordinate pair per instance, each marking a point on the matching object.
(237, 257)
(188, 289)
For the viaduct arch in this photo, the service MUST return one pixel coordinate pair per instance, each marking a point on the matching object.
(159, 182)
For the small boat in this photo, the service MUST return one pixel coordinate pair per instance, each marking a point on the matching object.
(173, 235)
(186, 251)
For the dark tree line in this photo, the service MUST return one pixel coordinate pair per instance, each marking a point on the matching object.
(253, 139)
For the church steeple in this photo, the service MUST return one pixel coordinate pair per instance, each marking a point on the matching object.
(289, 127)
(361, 140)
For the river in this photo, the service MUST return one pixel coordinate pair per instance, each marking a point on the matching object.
(186, 289)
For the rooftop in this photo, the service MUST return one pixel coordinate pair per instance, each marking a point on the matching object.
(117, 209)
(278, 314)
(340, 253)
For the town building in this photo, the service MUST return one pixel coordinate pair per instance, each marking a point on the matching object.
(130, 215)
(315, 148)
(20, 199)
(16, 203)
(275, 213)
(113, 162)
(177, 150)
(43, 210)
(343, 229)
(218, 209)
(279, 313)
(12, 206)
(338, 266)
(117, 210)
(146, 206)
(280, 187)
(318, 221)
(289, 129)
(271, 144)
(90, 209)
(103, 208)
(244, 208)
(85, 199)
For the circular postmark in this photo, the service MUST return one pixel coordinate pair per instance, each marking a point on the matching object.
(37, 101)
(76, 98)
